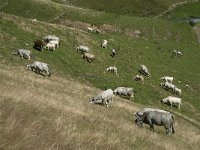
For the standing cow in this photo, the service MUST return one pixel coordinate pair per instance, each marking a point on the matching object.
(38, 44)
(104, 43)
(167, 79)
(124, 91)
(172, 100)
(144, 70)
(155, 117)
(112, 69)
(23, 53)
(40, 67)
(104, 97)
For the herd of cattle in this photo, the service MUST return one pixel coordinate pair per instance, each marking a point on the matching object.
(147, 115)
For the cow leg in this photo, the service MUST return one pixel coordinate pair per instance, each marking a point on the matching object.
(170, 103)
(172, 128)
(167, 128)
(179, 106)
(151, 127)
(21, 56)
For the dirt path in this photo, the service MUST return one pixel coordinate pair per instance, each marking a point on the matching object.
(173, 6)
(197, 30)
(57, 17)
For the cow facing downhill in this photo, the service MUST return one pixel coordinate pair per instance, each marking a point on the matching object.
(172, 101)
(88, 56)
(124, 91)
(155, 117)
(104, 97)
(23, 53)
(144, 70)
(40, 67)
(38, 44)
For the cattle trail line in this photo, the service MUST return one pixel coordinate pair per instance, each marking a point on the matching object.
(173, 6)
(57, 17)
(197, 30)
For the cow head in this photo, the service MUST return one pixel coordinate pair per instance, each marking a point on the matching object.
(28, 67)
(163, 100)
(139, 119)
(91, 101)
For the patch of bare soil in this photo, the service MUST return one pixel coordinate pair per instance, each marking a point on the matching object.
(197, 30)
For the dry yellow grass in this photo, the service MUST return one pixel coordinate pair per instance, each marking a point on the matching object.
(38, 112)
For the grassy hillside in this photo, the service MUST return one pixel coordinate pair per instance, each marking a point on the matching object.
(125, 7)
(184, 12)
(54, 113)
(153, 49)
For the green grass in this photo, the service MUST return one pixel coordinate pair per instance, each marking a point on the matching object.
(125, 7)
(30, 9)
(133, 52)
(184, 12)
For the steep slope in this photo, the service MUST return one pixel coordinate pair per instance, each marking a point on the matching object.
(125, 7)
(55, 111)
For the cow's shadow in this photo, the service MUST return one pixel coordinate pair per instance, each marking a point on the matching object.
(36, 72)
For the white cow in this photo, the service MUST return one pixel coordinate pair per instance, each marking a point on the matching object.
(177, 53)
(168, 86)
(113, 53)
(105, 97)
(90, 29)
(144, 70)
(139, 78)
(177, 91)
(23, 53)
(49, 38)
(124, 91)
(83, 49)
(55, 42)
(112, 69)
(50, 46)
(39, 67)
(167, 79)
(104, 44)
(172, 101)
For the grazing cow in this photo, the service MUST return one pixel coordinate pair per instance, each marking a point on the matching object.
(112, 69)
(155, 117)
(167, 79)
(177, 91)
(49, 38)
(23, 53)
(188, 86)
(39, 67)
(38, 44)
(177, 53)
(50, 46)
(90, 29)
(139, 78)
(104, 44)
(104, 97)
(168, 86)
(113, 53)
(144, 70)
(90, 57)
(95, 30)
(83, 49)
(172, 100)
(55, 42)
(124, 91)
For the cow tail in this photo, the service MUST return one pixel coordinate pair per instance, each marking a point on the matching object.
(173, 131)
(49, 69)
